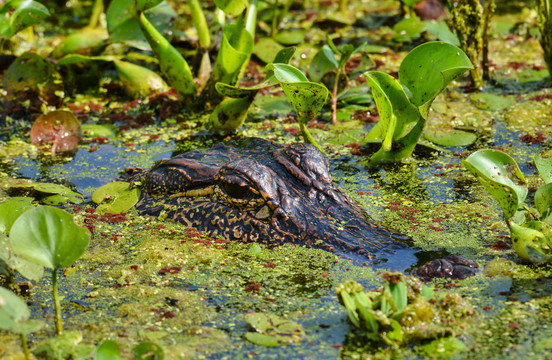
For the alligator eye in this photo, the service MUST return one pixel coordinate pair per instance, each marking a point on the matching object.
(236, 191)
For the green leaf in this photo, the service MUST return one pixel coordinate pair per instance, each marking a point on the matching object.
(230, 113)
(108, 350)
(501, 176)
(172, 63)
(139, 81)
(76, 59)
(543, 199)
(65, 346)
(22, 13)
(86, 42)
(96, 130)
(323, 62)
(235, 48)
(399, 294)
(273, 330)
(544, 166)
(115, 197)
(46, 188)
(290, 37)
(441, 31)
(408, 29)
(266, 48)
(49, 237)
(14, 314)
(487, 101)
(428, 69)
(532, 241)
(287, 73)
(307, 98)
(123, 24)
(148, 351)
(443, 348)
(450, 137)
(143, 5)
(11, 209)
(27, 269)
(231, 7)
(397, 114)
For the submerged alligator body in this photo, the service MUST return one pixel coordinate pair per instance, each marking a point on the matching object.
(260, 191)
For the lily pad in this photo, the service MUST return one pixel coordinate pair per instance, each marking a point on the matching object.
(148, 351)
(96, 130)
(43, 189)
(450, 137)
(14, 314)
(49, 237)
(115, 197)
(486, 101)
(273, 330)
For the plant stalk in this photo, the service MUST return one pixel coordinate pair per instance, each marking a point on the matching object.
(334, 96)
(198, 17)
(24, 346)
(97, 11)
(274, 19)
(489, 9)
(251, 17)
(342, 5)
(57, 306)
(308, 137)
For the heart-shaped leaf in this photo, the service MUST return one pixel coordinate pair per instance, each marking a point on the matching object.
(501, 176)
(115, 197)
(14, 314)
(428, 69)
(108, 350)
(49, 237)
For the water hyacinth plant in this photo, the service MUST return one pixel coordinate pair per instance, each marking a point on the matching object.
(530, 227)
(404, 105)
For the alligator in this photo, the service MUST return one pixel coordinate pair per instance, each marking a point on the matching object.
(261, 191)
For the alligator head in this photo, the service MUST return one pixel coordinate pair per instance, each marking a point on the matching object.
(260, 191)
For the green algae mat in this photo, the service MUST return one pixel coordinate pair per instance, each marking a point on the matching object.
(438, 129)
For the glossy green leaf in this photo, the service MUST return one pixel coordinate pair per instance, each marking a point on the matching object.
(14, 314)
(532, 241)
(148, 351)
(230, 113)
(488, 101)
(108, 350)
(172, 63)
(544, 166)
(123, 24)
(272, 330)
(11, 209)
(232, 7)
(307, 98)
(48, 236)
(235, 48)
(428, 69)
(97, 130)
(441, 31)
(139, 81)
(398, 294)
(397, 114)
(115, 197)
(76, 59)
(501, 177)
(27, 269)
(450, 137)
(287, 73)
(16, 15)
